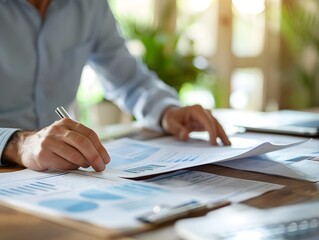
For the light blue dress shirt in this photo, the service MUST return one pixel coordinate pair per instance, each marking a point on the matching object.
(41, 64)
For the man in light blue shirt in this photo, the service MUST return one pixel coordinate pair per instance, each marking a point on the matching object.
(43, 47)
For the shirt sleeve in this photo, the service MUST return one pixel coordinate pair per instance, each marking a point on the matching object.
(126, 81)
(5, 134)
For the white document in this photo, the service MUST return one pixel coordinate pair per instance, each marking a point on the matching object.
(208, 186)
(118, 203)
(300, 162)
(109, 202)
(132, 158)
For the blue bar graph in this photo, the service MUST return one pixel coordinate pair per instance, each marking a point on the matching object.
(32, 188)
(137, 189)
(145, 168)
(179, 158)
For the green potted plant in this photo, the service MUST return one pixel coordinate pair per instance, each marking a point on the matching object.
(161, 53)
(300, 24)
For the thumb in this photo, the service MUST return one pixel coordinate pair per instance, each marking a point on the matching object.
(178, 130)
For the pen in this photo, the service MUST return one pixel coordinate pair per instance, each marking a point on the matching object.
(62, 112)
(177, 212)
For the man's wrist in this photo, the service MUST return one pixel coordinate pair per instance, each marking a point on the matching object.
(10, 155)
(164, 115)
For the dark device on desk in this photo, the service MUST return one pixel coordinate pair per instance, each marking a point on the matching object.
(284, 122)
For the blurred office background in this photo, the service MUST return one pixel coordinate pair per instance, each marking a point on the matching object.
(259, 55)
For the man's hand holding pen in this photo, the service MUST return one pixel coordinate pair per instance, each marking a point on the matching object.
(65, 144)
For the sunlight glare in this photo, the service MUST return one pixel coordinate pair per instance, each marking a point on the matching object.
(197, 6)
(249, 6)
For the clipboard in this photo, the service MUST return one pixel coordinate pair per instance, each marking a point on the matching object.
(161, 214)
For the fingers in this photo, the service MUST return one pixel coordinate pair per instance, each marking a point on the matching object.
(207, 122)
(89, 133)
(194, 118)
(220, 130)
(82, 145)
(216, 130)
(65, 144)
(178, 131)
(67, 152)
(210, 124)
(181, 121)
(172, 123)
(222, 134)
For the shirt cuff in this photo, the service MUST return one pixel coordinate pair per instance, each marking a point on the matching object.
(153, 118)
(5, 135)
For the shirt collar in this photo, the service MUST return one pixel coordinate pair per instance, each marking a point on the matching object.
(58, 2)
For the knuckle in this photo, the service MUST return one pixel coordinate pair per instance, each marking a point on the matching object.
(197, 108)
(81, 140)
(68, 134)
(66, 120)
(54, 129)
(77, 125)
(75, 156)
(62, 121)
(208, 112)
(44, 142)
(91, 134)
(102, 149)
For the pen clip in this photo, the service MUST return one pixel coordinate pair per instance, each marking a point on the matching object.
(164, 214)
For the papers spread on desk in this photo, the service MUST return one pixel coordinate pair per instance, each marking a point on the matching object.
(132, 158)
(108, 202)
(116, 203)
(300, 162)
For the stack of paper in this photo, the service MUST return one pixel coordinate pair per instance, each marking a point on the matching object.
(109, 201)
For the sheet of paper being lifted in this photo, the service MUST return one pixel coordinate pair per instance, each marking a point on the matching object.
(300, 162)
(132, 158)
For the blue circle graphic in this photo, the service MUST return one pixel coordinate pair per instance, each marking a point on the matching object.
(69, 205)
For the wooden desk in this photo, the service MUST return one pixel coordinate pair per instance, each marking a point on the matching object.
(16, 224)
